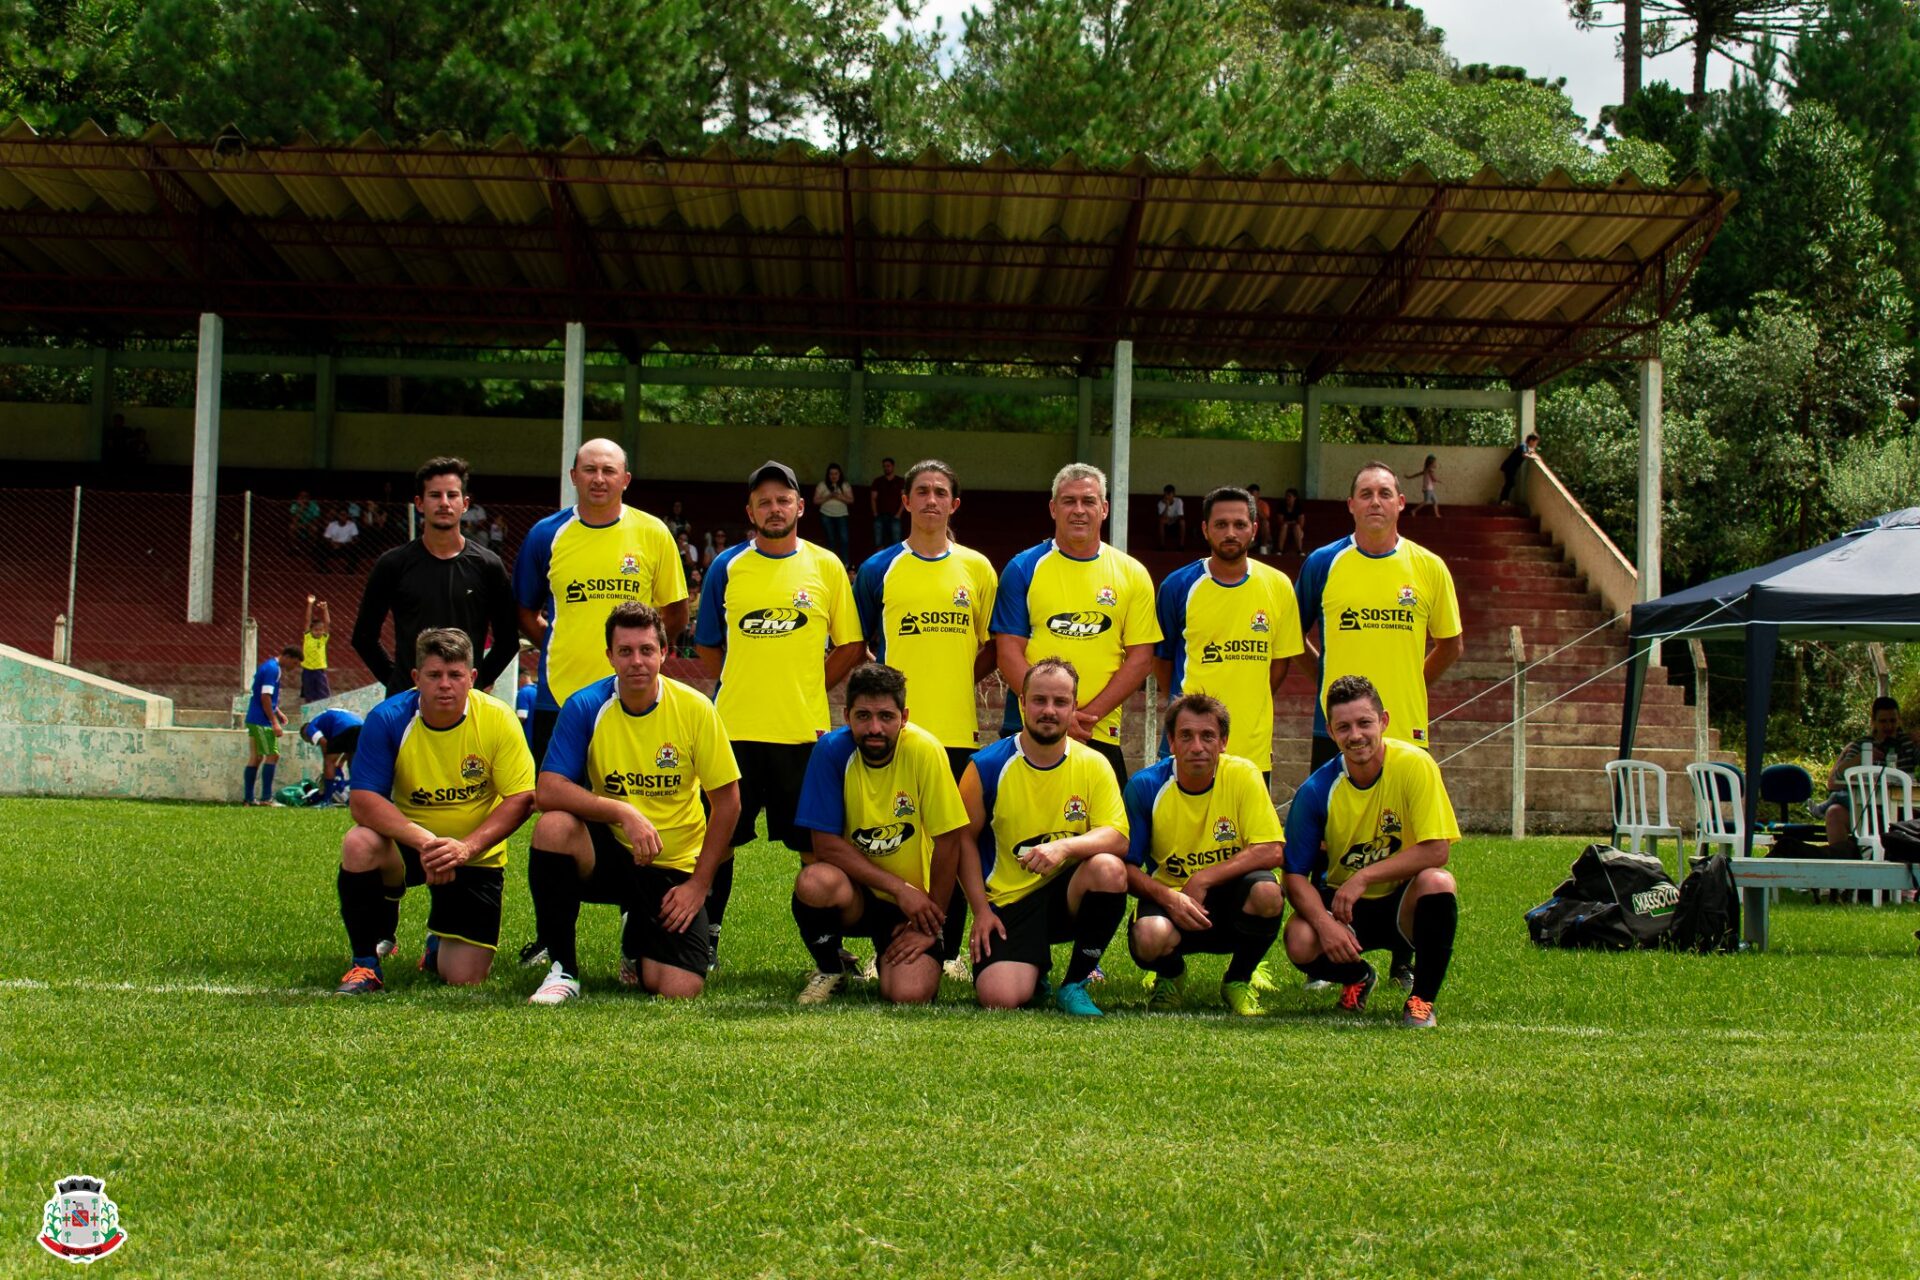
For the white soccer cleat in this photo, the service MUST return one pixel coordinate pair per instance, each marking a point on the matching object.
(556, 988)
(821, 987)
(957, 969)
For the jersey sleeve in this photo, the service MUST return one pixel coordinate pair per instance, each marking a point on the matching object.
(1289, 641)
(1307, 823)
(711, 630)
(823, 793)
(507, 745)
(1140, 626)
(1443, 620)
(1139, 804)
(1171, 607)
(572, 733)
(530, 586)
(373, 760)
(867, 601)
(1258, 822)
(1010, 616)
(986, 590)
(713, 762)
(669, 572)
(1308, 590)
(843, 620)
(1430, 811)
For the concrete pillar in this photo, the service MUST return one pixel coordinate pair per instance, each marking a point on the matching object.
(1647, 540)
(325, 382)
(573, 406)
(206, 467)
(99, 403)
(1523, 405)
(1310, 442)
(630, 416)
(856, 464)
(1120, 469)
(1083, 422)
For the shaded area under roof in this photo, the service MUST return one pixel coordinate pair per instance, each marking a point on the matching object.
(317, 245)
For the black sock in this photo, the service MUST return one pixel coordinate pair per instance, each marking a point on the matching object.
(1321, 969)
(1402, 956)
(554, 881)
(1435, 918)
(820, 931)
(1253, 938)
(717, 897)
(953, 934)
(1100, 914)
(362, 910)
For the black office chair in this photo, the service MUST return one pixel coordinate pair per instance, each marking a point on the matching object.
(1787, 785)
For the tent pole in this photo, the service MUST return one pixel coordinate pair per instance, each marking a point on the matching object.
(1647, 558)
(1630, 706)
(1763, 645)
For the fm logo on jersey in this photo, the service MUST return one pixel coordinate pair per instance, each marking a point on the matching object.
(1079, 625)
(878, 842)
(902, 805)
(772, 622)
(1378, 849)
(667, 757)
(1076, 809)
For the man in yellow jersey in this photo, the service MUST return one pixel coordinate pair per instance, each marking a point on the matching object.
(777, 629)
(1368, 839)
(886, 820)
(313, 652)
(1041, 860)
(441, 778)
(621, 820)
(1203, 845)
(1230, 627)
(924, 606)
(1075, 597)
(576, 564)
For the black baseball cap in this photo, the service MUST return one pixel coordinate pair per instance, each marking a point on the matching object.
(771, 470)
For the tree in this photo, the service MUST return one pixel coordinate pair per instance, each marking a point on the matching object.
(1730, 29)
(63, 62)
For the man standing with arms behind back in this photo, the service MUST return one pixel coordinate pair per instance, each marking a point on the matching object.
(440, 579)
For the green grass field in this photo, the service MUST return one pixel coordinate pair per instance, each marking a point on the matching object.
(165, 1026)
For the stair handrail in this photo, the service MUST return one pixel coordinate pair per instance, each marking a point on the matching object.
(1608, 572)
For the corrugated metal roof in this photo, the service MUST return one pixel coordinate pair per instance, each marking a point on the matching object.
(787, 254)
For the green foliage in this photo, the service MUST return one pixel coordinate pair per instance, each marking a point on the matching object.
(1659, 114)
(64, 61)
(1874, 473)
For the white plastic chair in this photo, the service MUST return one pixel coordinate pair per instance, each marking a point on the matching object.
(1720, 810)
(1640, 808)
(1871, 806)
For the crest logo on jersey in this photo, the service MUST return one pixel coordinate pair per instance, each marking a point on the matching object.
(629, 565)
(473, 769)
(1406, 599)
(878, 842)
(1223, 832)
(1419, 735)
(1260, 622)
(902, 805)
(80, 1224)
(1389, 823)
(772, 622)
(802, 598)
(1076, 810)
(668, 757)
(962, 598)
(1105, 598)
(1079, 625)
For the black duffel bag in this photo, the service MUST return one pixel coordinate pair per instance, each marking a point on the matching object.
(1611, 901)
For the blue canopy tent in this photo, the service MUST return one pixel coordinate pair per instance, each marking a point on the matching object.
(1864, 585)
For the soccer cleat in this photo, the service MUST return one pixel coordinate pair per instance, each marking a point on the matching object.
(1168, 994)
(1098, 975)
(359, 981)
(1072, 998)
(386, 947)
(1240, 999)
(1319, 984)
(957, 969)
(1418, 1013)
(1353, 996)
(557, 988)
(1262, 982)
(629, 972)
(861, 968)
(1401, 976)
(430, 956)
(821, 987)
(533, 955)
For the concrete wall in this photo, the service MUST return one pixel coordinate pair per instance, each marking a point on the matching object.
(1468, 473)
(1593, 553)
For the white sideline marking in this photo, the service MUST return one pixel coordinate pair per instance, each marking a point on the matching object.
(157, 988)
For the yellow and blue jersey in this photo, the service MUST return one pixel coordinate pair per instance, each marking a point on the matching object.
(659, 761)
(575, 573)
(1406, 805)
(1027, 805)
(776, 617)
(927, 618)
(1223, 639)
(1376, 614)
(1086, 611)
(1176, 832)
(447, 780)
(525, 699)
(893, 812)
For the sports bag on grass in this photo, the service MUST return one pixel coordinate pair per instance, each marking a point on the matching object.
(1611, 901)
(1901, 841)
(1708, 916)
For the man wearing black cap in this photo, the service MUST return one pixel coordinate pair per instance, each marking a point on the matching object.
(777, 629)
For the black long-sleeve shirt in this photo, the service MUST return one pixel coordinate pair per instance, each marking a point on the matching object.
(470, 591)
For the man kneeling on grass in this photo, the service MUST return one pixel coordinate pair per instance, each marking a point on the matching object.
(1205, 840)
(1041, 860)
(1367, 841)
(441, 778)
(886, 818)
(621, 819)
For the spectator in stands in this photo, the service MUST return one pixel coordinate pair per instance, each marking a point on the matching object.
(303, 524)
(833, 499)
(1262, 522)
(689, 554)
(265, 720)
(497, 534)
(1173, 519)
(677, 521)
(440, 579)
(342, 539)
(1429, 477)
(1510, 466)
(1292, 517)
(715, 549)
(474, 523)
(313, 652)
(1888, 748)
(887, 495)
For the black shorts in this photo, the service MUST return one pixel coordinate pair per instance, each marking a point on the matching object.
(465, 910)
(770, 778)
(879, 918)
(542, 722)
(1376, 921)
(1223, 902)
(1323, 751)
(647, 939)
(1034, 925)
(344, 743)
(958, 758)
(612, 879)
(1115, 757)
